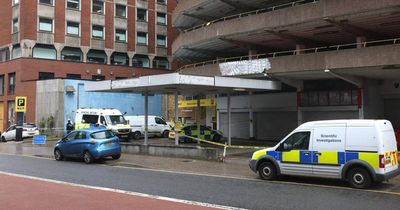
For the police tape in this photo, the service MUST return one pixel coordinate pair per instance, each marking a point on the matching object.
(223, 145)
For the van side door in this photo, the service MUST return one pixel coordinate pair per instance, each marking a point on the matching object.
(296, 154)
(329, 150)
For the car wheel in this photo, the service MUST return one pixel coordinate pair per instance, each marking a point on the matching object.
(3, 139)
(136, 135)
(217, 138)
(116, 157)
(267, 171)
(87, 157)
(359, 178)
(165, 134)
(58, 155)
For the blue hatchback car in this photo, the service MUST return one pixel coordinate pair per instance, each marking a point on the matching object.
(89, 144)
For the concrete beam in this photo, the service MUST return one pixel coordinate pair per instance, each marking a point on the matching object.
(355, 30)
(200, 17)
(297, 39)
(357, 81)
(249, 46)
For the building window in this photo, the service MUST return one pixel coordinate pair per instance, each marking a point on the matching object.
(72, 28)
(4, 54)
(73, 4)
(46, 75)
(120, 11)
(98, 6)
(142, 15)
(142, 38)
(45, 25)
(1, 85)
(15, 25)
(141, 61)
(71, 54)
(98, 77)
(46, 2)
(161, 1)
(16, 52)
(11, 84)
(73, 76)
(161, 18)
(97, 32)
(120, 35)
(97, 56)
(160, 63)
(44, 52)
(120, 59)
(161, 41)
(15, 2)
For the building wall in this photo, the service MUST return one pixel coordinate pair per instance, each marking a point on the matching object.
(5, 23)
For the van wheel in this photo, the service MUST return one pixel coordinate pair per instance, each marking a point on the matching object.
(165, 134)
(267, 171)
(359, 178)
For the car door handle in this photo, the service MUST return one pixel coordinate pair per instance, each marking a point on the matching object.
(318, 154)
(306, 153)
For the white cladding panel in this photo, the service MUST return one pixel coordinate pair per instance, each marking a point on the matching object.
(362, 138)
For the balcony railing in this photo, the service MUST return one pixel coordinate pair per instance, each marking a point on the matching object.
(296, 52)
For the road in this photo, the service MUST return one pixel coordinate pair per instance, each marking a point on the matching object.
(241, 193)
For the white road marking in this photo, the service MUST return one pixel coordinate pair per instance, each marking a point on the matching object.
(208, 205)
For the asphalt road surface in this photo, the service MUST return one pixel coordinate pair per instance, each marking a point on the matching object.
(241, 193)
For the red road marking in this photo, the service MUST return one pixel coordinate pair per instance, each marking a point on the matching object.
(23, 193)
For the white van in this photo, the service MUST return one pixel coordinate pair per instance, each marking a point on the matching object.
(110, 118)
(156, 125)
(359, 151)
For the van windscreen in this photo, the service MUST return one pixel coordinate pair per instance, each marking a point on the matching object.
(117, 119)
(92, 119)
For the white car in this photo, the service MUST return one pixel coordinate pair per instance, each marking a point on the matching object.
(28, 130)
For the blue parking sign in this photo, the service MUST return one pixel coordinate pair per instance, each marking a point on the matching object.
(39, 139)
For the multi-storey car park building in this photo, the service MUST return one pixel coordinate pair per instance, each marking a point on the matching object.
(336, 58)
(79, 39)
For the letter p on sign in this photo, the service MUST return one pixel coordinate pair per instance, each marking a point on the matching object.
(20, 104)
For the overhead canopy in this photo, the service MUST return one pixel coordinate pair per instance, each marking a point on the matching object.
(183, 84)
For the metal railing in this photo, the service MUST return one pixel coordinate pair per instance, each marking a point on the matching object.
(254, 12)
(296, 52)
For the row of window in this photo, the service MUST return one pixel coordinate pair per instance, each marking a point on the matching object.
(11, 84)
(98, 7)
(73, 29)
(93, 56)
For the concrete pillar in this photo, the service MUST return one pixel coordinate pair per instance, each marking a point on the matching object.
(85, 51)
(130, 56)
(26, 48)
(59, 48)
(251, 117)
(170, 59)
(146, 116)
(151, 57)
(299, 47)
(198, 116)
(229, 119)
(176, 118)
(360, 41)
(361, 102)
(252, 54)
(108, 52)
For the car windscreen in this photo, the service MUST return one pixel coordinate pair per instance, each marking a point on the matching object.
(102, 134)
(117, 119)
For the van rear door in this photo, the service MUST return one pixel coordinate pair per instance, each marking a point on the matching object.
(389, 151)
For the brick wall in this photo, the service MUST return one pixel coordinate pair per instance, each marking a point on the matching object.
(28, 20)
(5, 23)
(110, 29)
(59, 33)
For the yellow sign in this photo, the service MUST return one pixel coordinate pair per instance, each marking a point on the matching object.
(20, 104)
(193, 103)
